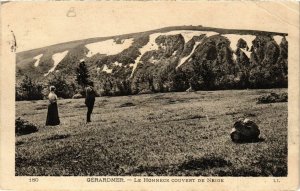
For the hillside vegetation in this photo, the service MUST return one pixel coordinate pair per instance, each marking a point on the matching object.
(166, 60)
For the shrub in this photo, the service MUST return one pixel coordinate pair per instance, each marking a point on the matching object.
(64, 89)
(273, 98)
(29, 90)
(23, 127)
(127, 104)
(77, 96)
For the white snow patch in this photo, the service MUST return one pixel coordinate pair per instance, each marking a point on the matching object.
(234, 38)
(189, 34)
(162, 46)
(234, 56)
(116, 63)
(211, 33)
(249, 39)
(57, 58)
(151, 45)
(37, 58)
(184, 59)
(278, 39)
(106, 69)
(248, 53)
(153, 60)
(108, 47)
(98, 70)
(287, 38)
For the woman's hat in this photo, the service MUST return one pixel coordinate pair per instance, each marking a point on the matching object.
(52, 88)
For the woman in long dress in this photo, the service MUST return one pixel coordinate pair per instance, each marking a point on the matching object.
(52, 115)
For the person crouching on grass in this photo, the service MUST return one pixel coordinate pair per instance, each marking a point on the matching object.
(52, 114)
(90, 95)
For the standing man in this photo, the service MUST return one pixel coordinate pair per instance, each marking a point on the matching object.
(90, 95)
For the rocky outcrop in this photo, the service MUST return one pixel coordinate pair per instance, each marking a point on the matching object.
(244, 130)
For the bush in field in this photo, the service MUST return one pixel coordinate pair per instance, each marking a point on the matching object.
(19, 94)
(64, 89)
(273, 98)
(29, 90)
(24, 127)
(77, 96)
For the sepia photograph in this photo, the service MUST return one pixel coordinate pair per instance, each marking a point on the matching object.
(175, 101)
(116, 90)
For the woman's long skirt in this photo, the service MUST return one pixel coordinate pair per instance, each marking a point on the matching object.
(52, 115)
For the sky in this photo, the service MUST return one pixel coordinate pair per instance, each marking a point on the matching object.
(39, 24)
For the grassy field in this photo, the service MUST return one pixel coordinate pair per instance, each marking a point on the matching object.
(171, 134)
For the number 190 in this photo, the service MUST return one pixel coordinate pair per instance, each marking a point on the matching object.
(33, 179)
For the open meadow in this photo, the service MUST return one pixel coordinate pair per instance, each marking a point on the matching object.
(164, 134)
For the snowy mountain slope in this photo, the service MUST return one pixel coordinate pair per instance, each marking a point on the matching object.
(154, 60)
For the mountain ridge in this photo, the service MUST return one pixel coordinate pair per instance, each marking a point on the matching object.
(156, 30)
